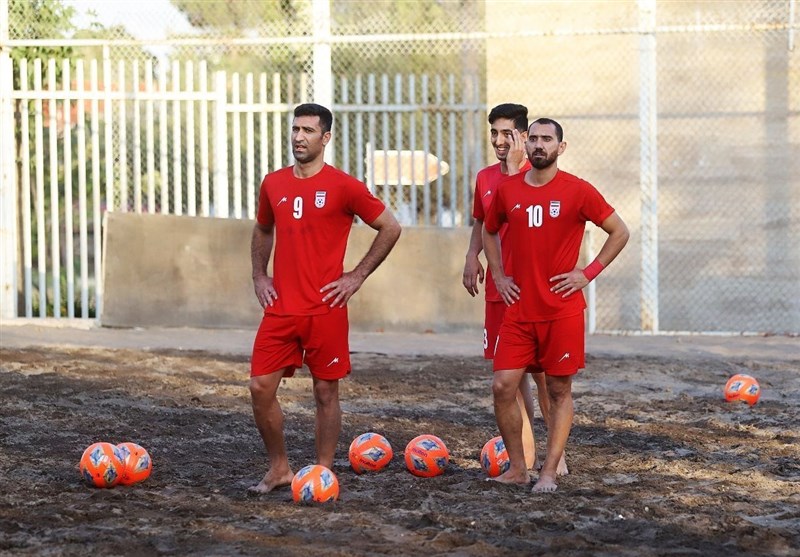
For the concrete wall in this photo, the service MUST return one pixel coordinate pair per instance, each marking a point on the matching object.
(163, 270)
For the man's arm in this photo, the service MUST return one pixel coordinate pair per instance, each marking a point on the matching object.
(575, 280)
(260, 250)
(473, 270)
(506, 287)
(342, 289)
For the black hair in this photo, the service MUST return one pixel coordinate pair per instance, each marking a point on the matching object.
(516, 112)
(556, 125)
(313, 109)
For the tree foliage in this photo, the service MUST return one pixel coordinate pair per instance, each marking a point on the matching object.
(292, 18)
(238, 15)
(39, 19)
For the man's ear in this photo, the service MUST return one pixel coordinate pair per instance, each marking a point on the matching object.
(562, 147)
(326, 137)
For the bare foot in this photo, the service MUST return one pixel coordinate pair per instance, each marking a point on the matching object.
(545, 484)
(562, 469)
(272, 481)
(509, 477)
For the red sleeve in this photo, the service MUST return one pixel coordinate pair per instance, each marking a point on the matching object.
(477, 206)
(363, 204)
(265, 216)
(496, 215)
(595, 207)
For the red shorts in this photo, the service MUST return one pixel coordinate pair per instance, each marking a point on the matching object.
(493, 318)
(555, 347)
(287, 341)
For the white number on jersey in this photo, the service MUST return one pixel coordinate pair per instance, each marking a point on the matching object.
(298, 207)
(535, 213)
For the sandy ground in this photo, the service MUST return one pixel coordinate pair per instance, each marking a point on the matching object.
(661, 464)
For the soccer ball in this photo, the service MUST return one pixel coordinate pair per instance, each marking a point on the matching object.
(136, 463)
(494, 457)
(370, 452)
(426, 456)
(315, 484)
(743, 388)
(101, 465)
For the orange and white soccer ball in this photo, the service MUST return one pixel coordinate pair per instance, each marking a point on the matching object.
(315, 483)
(370, 452)
(743, 388)
(494, 457)
(426, 456)
(101, 465)
(136, 461)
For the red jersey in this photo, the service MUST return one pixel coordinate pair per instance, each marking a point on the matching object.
(545, 231)
(485, 187)
(312, 218)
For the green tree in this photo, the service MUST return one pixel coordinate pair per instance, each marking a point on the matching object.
(39, 19)
(239, 15)
(292, 18)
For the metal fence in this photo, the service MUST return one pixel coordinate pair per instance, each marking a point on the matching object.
(686, 115)
(176, 140)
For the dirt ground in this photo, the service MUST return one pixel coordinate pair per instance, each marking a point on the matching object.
(660, 463)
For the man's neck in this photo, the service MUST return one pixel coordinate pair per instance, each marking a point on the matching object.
(308, 169)
(538, 177)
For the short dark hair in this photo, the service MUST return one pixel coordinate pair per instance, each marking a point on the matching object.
(556, 125)
(516, 112)
(313, 109)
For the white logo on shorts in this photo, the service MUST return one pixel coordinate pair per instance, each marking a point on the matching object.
(564, 357)
(333, 361)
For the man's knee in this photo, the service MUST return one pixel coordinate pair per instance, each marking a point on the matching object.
(326, 392)
(559, 388)
(262, 387)
(505, 387)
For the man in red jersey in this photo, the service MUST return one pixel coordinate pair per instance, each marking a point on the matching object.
(546, 210)
(309, 207)
(508, 129)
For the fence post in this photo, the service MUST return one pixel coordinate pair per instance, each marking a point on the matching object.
(648, 169)
(323, 80)
(8, 183)
(220, 146)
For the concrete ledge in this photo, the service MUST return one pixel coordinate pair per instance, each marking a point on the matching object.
(170, 271)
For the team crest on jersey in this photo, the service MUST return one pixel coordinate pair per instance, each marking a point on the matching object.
(555, 208)
(319, 199)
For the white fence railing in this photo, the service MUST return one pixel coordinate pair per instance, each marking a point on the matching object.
(176, 139)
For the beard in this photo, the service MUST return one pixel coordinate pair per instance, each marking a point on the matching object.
(540, 160)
